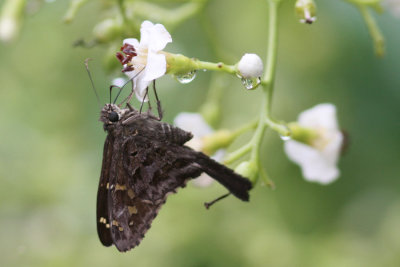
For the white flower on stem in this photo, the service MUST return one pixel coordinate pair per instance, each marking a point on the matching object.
(393, 6)
(144, 60)
(195, 123)
(318, 161)
(250, 66)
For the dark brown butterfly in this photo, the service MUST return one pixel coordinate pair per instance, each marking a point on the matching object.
(144, 161)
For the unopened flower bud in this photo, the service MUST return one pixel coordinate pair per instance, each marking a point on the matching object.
(248, 169)
(306, 10)
(107, 30)
(211, 112)
(217, 140)
(10, 19)
(250, 66)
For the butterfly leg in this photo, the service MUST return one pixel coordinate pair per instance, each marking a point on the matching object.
(145, 95)
(159, 109)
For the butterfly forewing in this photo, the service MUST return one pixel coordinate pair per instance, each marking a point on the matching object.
(103, 223)
(141, 176)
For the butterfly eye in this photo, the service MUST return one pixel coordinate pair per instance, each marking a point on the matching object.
(113, 116)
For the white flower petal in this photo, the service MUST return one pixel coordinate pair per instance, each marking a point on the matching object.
(193, 122)
(8, 28)
(322, 115)
(393, 6)
(159, 38)
(315, 167)
(132, 41)
(204, 180)
(331, 151)
(118, 81)
(154, 36)
(145, 32)
(140, 88)
(156, 66)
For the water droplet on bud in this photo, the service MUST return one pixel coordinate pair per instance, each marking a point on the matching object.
(251, 83)
(187, 77)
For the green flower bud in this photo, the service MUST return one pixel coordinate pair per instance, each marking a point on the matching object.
(10, 19)
(107, 30)
(217, 140)
(211, 112)
(248, 169)
(306, 10)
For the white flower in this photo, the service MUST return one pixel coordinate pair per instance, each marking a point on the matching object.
(8, 29)
(306, 10)
(393, 6)
(250, 66)
(147, 62)
(318, 161)
(195, 123)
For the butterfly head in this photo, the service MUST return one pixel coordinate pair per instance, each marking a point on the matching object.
(111, 114)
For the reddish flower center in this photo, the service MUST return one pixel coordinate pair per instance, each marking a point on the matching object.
(125, 60)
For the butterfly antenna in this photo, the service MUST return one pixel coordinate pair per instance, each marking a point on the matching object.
(122, 87)
(209, 204)
(91, 80)
(159, 109)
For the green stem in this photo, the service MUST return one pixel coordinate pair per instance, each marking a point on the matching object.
(231, 69)
(122, 10)
(232, 157)
(266, 181)
(268, 79)
(259, 134)
(270, 61)
(374, 31)
(279, 127)
(267, 83)
(247, 127)
(73, 8)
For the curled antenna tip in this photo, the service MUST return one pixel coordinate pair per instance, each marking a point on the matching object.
(87, 62)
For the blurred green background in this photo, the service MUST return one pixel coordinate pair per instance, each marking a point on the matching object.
(51, 146)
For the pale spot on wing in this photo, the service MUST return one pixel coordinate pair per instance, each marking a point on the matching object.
(120, 187)
(131, 223)
(131, 194)
(107, 225)
(132, 210)
(114, 222)
(120, 229)
(108, 186)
